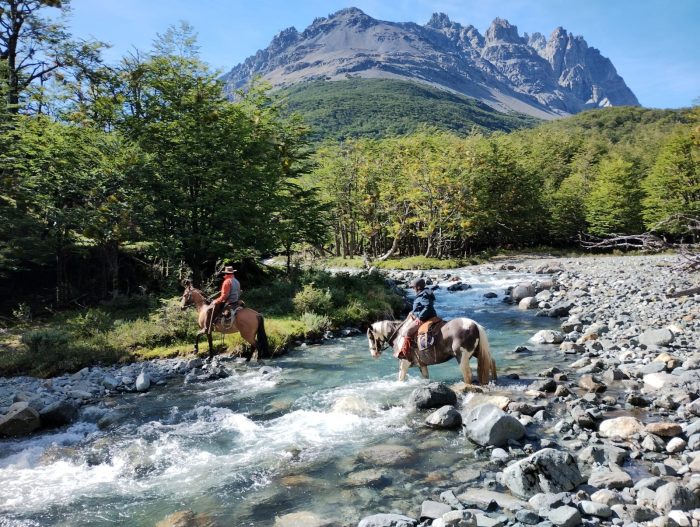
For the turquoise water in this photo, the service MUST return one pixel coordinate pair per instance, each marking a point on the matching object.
(254, 447)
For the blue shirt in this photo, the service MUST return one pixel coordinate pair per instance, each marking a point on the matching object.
(423, 305)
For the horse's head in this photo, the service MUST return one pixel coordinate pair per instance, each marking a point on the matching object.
(186, 299)
(375, 341)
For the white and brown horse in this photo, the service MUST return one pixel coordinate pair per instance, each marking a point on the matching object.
(460, 338)
(249, 323)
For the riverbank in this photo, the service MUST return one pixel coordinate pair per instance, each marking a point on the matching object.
(611, 439)
(302, 306)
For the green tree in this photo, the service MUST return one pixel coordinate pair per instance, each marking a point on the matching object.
(673, 185)
(32, 48)
(614, 204)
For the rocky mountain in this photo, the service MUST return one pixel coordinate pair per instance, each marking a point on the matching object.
(531, 74)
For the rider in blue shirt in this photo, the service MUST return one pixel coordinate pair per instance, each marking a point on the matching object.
(423, 311)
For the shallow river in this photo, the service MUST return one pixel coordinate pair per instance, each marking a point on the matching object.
(256, 446)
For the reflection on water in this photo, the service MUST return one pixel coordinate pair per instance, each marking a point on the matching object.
(325, 432)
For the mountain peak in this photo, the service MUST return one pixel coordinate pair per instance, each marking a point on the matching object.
(501, 29)
(349, 13)
(440, 21)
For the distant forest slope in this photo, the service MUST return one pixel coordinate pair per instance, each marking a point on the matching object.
(375, 108)
(623, 124)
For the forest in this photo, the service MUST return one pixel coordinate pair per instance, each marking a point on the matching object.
(124, 179)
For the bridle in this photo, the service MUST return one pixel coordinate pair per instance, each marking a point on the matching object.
(383, 343)
(187, 301)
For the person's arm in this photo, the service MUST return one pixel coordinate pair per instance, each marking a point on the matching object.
(225, 290)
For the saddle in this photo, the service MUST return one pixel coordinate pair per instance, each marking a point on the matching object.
(228, 315)
(427, 333)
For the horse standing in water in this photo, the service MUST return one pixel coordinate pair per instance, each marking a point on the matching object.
(249, 323)
(460, 338)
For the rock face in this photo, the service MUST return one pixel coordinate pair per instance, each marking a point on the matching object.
(542, 77)
(548, 470)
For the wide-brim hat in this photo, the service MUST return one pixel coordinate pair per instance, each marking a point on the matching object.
(228, 270)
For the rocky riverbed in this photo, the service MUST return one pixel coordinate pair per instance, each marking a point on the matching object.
(612, 439)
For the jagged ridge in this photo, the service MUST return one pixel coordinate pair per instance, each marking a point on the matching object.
(542, 77)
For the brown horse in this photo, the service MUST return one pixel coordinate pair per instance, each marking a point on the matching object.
(460, 338)
(249, 323)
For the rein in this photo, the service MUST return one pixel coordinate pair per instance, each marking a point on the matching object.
(385, 343)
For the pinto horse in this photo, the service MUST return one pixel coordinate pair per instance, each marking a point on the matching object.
(460, 338)
(249, 323)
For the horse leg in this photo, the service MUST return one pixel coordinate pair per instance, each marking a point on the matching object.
(424, 372)
(464, 367)
(211, 345)
(403, 368)
(196, 343)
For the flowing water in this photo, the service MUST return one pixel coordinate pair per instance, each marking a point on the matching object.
(262, 444)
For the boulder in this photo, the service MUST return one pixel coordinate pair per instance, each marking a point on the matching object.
(547, 336)
(185, 518)
(591, 508)
(110, 382)
(300, 519)
(446, 417)
(20, 420)
(610, 479)
(522, 290)
(387, 455)
(601, 455)
(433, 509)
(528, 302)
(560, 309)
(143, 382)
(674, 496)
(656, 381)
(624, 427)
(387, 520)
(547, 470)
(565, 516)
(433, 395)
(58, 413)
(664, 429)
(656, 337)
(592, 384)
(371, 478)
(489, 425)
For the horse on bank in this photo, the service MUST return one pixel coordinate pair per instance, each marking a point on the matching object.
(460, 338)
(249, 323)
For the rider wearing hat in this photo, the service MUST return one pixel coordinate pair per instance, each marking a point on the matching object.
(230, 295)
(423, 310)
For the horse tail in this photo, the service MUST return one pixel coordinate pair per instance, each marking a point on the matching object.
(484, 362)
(261, 337)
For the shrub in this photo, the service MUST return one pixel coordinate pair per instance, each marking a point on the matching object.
(312, 299)
(46, 340)
(90, 323)
(315, 325)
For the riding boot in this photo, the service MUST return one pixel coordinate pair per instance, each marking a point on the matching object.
(405, 350)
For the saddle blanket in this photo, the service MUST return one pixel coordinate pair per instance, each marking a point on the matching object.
(427, 333)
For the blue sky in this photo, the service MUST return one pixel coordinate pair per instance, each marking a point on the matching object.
(654, 44)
